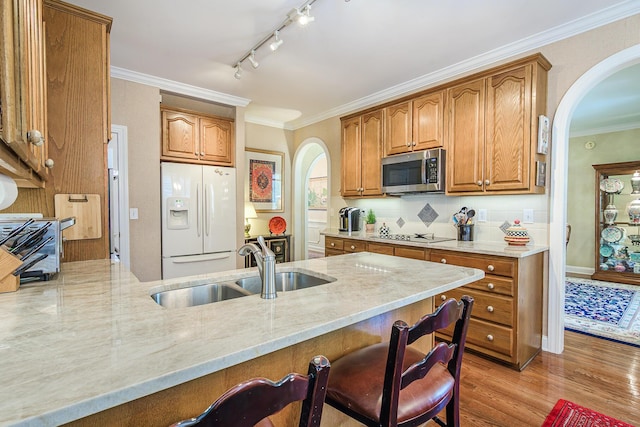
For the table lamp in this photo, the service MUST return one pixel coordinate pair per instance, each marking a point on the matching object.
(249, 212)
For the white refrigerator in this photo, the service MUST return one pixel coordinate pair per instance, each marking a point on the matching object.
(198, 219)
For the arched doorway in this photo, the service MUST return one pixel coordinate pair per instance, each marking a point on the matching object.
(558, 194)
(307, 155)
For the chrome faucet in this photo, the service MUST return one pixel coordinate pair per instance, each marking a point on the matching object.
(266, 262)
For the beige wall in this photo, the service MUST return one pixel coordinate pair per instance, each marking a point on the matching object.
(136, 106)
(271, 139)
(610, 148)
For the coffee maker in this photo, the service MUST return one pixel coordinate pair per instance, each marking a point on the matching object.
(349, 219)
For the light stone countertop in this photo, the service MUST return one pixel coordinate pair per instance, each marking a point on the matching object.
(476, 247)
(93, 338)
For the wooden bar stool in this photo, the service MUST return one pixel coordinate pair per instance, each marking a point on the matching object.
(248, 404)
(392, 384)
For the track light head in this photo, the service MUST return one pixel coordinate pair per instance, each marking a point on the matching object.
(305, 17)
(238, 73)
(252, 59)
(277, 42)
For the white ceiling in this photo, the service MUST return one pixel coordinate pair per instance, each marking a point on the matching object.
(357, 53)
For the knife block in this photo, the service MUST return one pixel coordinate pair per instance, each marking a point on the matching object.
(8, 264)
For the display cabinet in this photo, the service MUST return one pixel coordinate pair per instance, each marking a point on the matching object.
(617, 222)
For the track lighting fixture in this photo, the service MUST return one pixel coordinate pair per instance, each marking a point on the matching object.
(252, 59)
(277, 42)
(301, 14)
(305, 17)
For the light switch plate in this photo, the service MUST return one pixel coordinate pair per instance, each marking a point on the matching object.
(527, 216)
(482, 215)
(133, 213)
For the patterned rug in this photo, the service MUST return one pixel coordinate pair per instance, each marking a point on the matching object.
(569, 414)
(603, 309)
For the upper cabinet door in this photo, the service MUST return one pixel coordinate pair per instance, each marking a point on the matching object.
(428, 121)
(372, 154)
(508, 130)
(180, 135)
(215, 137)
(351, 167)
(465, 137)
(397, 133)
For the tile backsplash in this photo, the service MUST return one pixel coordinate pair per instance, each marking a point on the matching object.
(434, 214)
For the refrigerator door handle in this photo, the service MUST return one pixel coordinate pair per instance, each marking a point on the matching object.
(198, 209)
(207, 219)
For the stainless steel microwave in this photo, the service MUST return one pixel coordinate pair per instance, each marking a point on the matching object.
(417, 172)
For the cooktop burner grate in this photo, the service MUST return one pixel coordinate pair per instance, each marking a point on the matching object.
(418, 237)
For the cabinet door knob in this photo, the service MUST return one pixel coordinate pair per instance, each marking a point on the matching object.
(353, 247)
(487, 182)
(479, 183)
(490, 267)
(332, 244)
(490, 309)
(443, 260)
(489, 337)
(35, 137)
(443, 297)
(48, 163)
(413, 143)
(490, 285)
(202, 153)
(408, 144)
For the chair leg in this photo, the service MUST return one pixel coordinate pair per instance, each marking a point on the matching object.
(453, 412)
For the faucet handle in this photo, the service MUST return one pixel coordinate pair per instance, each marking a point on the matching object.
(266, 251)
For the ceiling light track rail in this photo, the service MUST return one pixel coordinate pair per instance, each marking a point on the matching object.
(301, 14)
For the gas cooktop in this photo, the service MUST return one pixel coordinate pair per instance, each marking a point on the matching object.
(426, 237)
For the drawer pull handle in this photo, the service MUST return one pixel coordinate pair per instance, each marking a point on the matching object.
(490, 309)
(490, 285)
(443, 297)
(489, 337)
(443, 260)
(490, 267)
(332, 244)
(352, 247)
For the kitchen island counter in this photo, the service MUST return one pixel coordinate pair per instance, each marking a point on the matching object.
(93, 338)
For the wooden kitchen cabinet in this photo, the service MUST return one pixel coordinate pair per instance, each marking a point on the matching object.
(492, 128)
(362, 155)
(191, 137)
(506, 320)
(340, 246)
(414, 125)
(279, 244)
(23, 92)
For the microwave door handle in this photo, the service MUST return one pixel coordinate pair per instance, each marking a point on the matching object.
(424, 171)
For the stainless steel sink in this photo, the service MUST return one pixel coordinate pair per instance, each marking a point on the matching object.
(198, 295)
(285, 281)
(225, 290)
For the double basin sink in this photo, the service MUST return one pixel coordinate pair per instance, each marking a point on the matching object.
(230, 289)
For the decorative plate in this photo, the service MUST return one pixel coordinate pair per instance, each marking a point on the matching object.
(277, 225)
(611, 185)
(612, 234)
(606, 250)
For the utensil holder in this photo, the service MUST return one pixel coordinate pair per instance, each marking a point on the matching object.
(8, 264)
(465, 232)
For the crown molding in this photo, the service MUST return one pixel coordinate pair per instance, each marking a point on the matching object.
(605, 129)
(508, 51)
(180, 88)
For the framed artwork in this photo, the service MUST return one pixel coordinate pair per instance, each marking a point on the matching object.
(265, 180)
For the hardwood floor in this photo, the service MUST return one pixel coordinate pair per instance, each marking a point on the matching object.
(595, 373)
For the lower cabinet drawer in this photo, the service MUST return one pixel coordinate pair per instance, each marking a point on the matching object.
(413, 253)
(354, 246)
(490, 265)
(494, 308)
(380, 249)
(331, 243)
(332, 252)
(494, 284)
(494, 340)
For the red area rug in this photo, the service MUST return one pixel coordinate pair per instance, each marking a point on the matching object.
(569, 414)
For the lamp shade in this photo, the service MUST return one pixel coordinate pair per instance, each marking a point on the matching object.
(249, 210)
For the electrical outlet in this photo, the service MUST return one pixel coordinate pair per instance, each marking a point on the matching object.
(133, 213)
(482, 215)
(527, 216)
